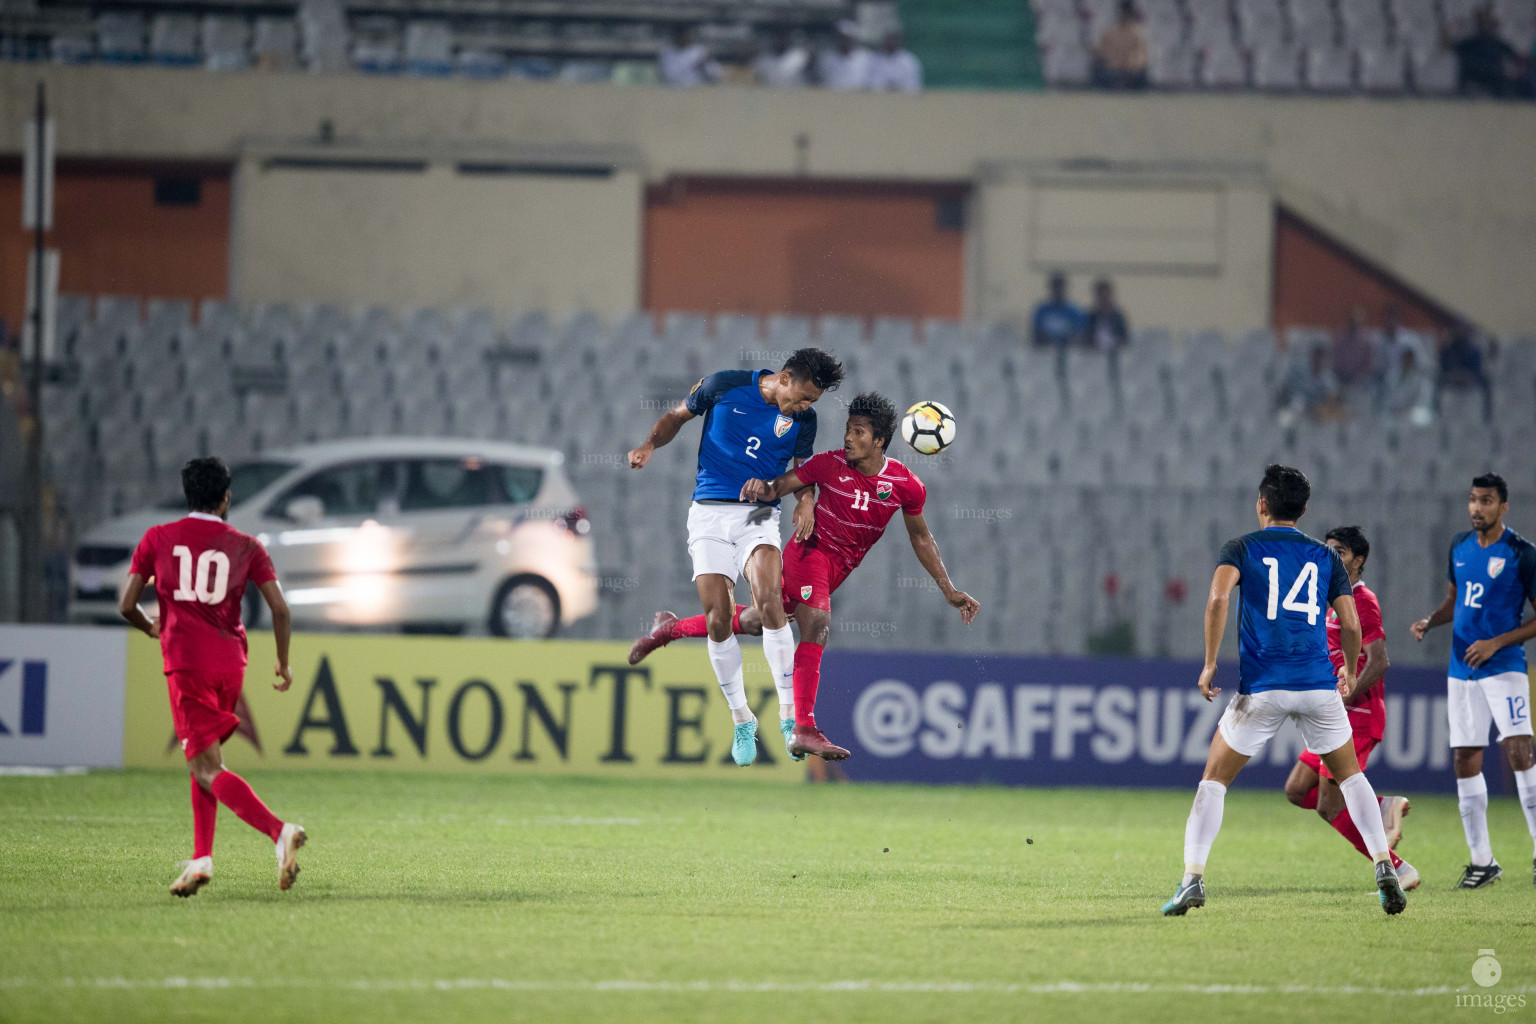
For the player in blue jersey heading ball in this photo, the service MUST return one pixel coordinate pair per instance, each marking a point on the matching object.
(756, 424)
(1490, 575)
(1284, 672)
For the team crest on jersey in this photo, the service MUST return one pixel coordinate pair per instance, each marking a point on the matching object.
(805, 593)
(883, 489)
(1495, 566)
(781, 425)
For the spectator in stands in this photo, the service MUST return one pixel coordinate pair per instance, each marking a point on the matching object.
(687, 62)
(1057, 323)
(895, 68)
(1120, 57)
(1461, 368)
(1107, 329)
(1354, 350)
(1311, 390)
(1408, 391)
(1486, 65)
(782, 66)
(847, 64)
(1395, 339)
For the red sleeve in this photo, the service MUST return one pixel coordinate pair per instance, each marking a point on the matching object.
(144, 556)
(915, 497)
(261, 570)
(815, 470)
(1369, 610)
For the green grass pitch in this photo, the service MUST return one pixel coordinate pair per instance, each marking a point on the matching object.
(459, 898)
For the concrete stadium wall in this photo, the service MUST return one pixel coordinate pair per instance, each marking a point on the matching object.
(1438, 192)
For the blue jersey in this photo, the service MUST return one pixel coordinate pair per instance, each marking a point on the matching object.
(745, 438)
(1286, 583)
(1493, 584)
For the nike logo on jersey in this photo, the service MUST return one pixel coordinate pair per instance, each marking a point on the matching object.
(1460, 564)
(739, 412)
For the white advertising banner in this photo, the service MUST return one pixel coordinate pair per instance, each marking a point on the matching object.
(61, 695)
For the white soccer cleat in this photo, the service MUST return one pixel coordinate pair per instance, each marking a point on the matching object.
(1393, 810)
(288, 843)
(194, 875)
(1408, 877)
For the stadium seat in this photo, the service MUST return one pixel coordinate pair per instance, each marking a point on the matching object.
(226, 43)
(1329, 69)
(276, 43)
(1434, 72)
(1066, 64)
(1383, 68)
(429, 48)
(1172, 65)
(173, 40)
(1223, 67)
(1277, 67)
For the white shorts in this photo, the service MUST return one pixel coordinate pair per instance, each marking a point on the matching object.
(1251, 719)
(1475, 704)
(722, 537)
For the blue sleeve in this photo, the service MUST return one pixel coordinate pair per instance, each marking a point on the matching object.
(1528, 571)
(1450, 559)
(1338, 581)
(1232, 553)
(709, 389)
(805, 441)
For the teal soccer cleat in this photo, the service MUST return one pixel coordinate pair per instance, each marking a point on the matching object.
(1393, 899)
(787, 727)
(744, 743)
(1186, 898)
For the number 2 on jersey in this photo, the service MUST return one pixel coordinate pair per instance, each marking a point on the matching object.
(194, 585)
(753, 443)
(1307, 577)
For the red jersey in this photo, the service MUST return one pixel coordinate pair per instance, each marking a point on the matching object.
(200, 566)
(852, 510)
(1372, 704)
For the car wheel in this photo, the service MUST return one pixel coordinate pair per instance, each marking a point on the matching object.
(525, 607)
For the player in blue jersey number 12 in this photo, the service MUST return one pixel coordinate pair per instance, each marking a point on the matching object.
(756, 422)
(1490, 575)
(1284, 672)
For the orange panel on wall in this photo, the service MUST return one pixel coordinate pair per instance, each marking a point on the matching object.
(771, 246)
(117, 237)
(1319, 280)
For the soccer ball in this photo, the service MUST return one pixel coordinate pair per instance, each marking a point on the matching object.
(928, 427)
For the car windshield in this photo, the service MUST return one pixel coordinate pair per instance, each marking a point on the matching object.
(245, 480)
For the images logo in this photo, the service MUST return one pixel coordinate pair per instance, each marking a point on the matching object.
(1487, 972)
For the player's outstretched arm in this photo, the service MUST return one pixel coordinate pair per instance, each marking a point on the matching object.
(1216, 604)
(282, 630)
(129, 607)
(1349, 642)
(927, 551)
(771, 490)
(665, 430)
(1439, 617)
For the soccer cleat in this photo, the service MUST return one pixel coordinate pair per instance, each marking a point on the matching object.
(787, 727)
(288, 842)
(1408, 876)
(1185, 899)
(194, 875)
(1390, 886)
(1478, 875)
(659, 636)
(813, 741)
(1393, 810)
(744, 743)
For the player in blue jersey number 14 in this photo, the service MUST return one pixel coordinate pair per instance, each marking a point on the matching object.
(756, 423)
(1490, 576)
(1284, 672)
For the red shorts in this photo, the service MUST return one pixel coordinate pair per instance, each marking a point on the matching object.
(810, 577)
(1364, 744)
(203, 707)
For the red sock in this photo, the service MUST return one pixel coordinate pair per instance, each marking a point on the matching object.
(807, 679)
(1345, 826)
(1309, 802)
(205, 814)
(694, 626)
(236, 794)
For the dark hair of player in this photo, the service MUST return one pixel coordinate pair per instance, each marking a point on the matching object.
(816, 366)
(205, 482)
(1496, 482)
(1286, 490)
(880, 413)
(1352, 537)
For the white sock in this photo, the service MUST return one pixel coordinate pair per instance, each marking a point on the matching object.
(779, 649)
(725, 656)
(1204, 822)
(1525, 783)
(1473, 794)
(1365, 810)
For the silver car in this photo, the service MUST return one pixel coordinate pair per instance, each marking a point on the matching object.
(400, 532)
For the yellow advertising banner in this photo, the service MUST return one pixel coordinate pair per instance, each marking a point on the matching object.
(401, 703)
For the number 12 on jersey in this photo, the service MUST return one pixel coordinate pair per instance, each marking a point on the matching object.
(1308, 578)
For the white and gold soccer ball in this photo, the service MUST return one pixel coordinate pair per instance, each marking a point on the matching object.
(928, 427)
